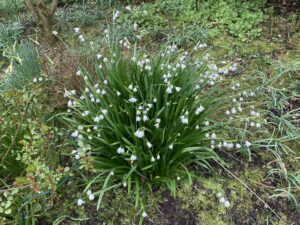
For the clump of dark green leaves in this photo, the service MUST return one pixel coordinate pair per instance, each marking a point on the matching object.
(140, 123)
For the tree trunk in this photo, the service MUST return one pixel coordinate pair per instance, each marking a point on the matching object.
(43, 15)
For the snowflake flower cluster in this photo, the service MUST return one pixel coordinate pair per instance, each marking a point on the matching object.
(223, 200)
(95, 94)
(125, 43)
(39, 79)
(116, 15)
(138, 117)
(200, 46)
(143, 63)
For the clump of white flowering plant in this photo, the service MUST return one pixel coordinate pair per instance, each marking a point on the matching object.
(140, 122)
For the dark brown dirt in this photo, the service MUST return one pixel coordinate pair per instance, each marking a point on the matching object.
(174, 214)
(284, 6)
(251, 216)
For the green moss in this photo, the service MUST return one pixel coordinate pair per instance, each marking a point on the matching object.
(201, 198)
(208, 219)
(260, 46)
(245, 207)
(228, 46)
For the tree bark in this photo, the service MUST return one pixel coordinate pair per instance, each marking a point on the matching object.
(43, 14)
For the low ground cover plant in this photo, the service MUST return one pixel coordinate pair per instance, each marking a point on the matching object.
(141, 122)
(239, 19)
(28, 170)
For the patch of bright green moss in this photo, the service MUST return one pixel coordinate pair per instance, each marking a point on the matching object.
(201, 197)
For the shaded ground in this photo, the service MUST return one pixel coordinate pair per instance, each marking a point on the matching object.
(198, 204)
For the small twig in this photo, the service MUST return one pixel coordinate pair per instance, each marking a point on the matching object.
(259, 198)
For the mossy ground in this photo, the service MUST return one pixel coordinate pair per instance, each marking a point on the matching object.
(197, 203)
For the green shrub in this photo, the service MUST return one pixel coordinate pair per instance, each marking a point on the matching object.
(25, 67)
(240, 19)
(28, 163)
(10, 8)
(187, 35)
(19, 110)
(80, 14)
(145, 16)
(11, 132)
(10, 33)
(240, 23)
(140, 122)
